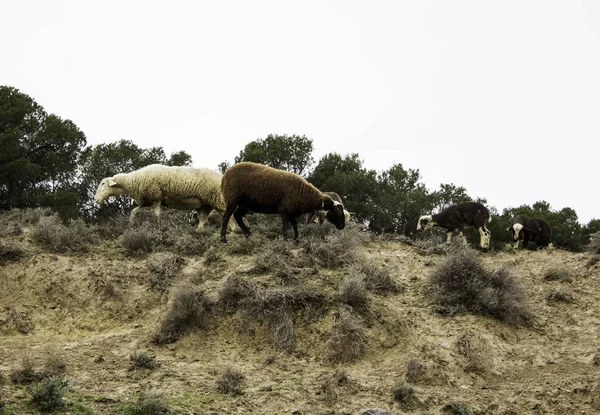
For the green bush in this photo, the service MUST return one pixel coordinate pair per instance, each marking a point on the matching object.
(141, 360)
(48, 395)
(148, 403)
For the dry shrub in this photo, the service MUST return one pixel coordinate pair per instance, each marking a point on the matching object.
(276, 259)
(148, 403)
(10, 253)
(244, 246)
(26, 373)
(558, 295)
(212, 255)
(163, 266)
(55, 366)
(405, 395)
(103, 283)
(329, 388)
(560, 273)
(51, 234)
(594, 245)
(230, 381)
(415, 371)
(457, 408)
(476, 351)
(275, 306)
(347, 340)
(26, 216)
(353, 292)
(432, 245)
(189, 308)
(141, 360)
(461, 283)
(377, 279)
(335, 248)
(48, 395)
(138, 241)
(22, 321)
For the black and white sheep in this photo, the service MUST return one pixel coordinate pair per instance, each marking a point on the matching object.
(156, 185)
(319, 215)
(458, 217)
(258, 188)
(531, 229)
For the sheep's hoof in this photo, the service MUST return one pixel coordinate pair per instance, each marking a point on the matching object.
(224, 240)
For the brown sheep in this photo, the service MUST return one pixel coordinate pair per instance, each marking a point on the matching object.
(258, 188)
(319, 215)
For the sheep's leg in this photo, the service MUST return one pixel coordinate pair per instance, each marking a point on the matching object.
(484, 237)
(133, 214)
(157, 210)
(295, 226)
(464, 238)
(239, 218)
(202, 216)
(310, 218)
(226, 217)
(525, 240)
(286, 225)
(448, 237)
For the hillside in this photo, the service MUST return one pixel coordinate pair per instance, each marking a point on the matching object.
(269, 310)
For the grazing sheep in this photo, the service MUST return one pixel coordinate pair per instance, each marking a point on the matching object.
(258, 188)
(176, 187)
(530, 229)
(319, 215)
(458, 217)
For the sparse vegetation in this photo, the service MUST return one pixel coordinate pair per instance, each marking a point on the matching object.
(461, 283)
(10, 252)
(562, 274)
(56, 237)
(347, 340)
(415, 371)
(559, 295)
(354, 293)
(22, 321)
(141, 360)
(212, 255)
(594, 245)
(55, 366)
(329, 388)
(457, 408)
(189, 308)
(148, 403)
(163, 267)
(405, 395)
(138, 241)
(377, 279)
(230, 381)
(26, 373)
(332, 248)
(48, 395)
(476, 351)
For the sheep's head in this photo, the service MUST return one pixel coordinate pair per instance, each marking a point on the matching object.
(335, 212)
(108, 187)
(425, 222)
(516, 230)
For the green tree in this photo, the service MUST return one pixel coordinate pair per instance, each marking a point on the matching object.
(38, 153)
(104, 160)
(346, 176)
(292, 153)
(590, 228)
(399, 202)
(448, 195)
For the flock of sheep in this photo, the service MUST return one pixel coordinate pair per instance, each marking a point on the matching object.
(252, 187)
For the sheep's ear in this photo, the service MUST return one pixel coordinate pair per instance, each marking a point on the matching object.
(327, 202)
(111, 182)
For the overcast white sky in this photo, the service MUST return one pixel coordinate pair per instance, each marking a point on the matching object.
(501, 97)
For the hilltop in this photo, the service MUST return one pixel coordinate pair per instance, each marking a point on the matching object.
(272, 310)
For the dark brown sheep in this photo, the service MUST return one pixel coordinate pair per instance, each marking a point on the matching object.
(319, 215)
(258, 188)
(531, 229)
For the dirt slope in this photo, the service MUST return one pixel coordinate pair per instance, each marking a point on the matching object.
(60, 304)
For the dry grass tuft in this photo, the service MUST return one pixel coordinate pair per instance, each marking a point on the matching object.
(51, 234)
(559, 296)
(405, 395)
(329, 388)
(55, 366)
(353, 292)
(461, 283)
(230, 382)
(22, 321)
(457, 408)
(377, 279)
(415, 371)
(476, 351)
(163, 266)
(560, 273)
(141, 360)
(332, 248)
(148, 403)
(26, 373)
(347, 340)
(189, 308)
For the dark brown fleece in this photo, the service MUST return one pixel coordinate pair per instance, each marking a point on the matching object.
(264, 189)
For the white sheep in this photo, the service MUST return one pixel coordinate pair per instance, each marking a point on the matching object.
(182, 188)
